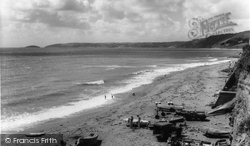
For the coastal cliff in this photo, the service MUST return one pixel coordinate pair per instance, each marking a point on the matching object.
(241, 113)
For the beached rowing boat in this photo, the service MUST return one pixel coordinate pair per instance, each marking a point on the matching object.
(88, 140)
(192, 115)
(143, 123)
(35, 134)
(176, 120)
(214, 133)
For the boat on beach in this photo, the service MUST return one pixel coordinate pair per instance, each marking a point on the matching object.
(214, 133)
(192, 115)
(164, 108)
(89, 140)
(195, 142)
(35, 134)
(176, 120)
(143, 123)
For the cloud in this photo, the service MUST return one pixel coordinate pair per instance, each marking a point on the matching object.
(60, 5)
(210, 8)
(109, 10)
(159, 5)
(54, 19)
(74, 5)
(112, 20)
(137, 18)
(46, 13)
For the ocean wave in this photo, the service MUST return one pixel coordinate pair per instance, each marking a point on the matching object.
(109, 66)
(194, 60)
(215, 59)
(152, 66)
(24, 101)
(98, 82)
(141, 72)
(19, 122)
(148, 76)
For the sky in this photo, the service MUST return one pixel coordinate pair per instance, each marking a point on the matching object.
(45, 22)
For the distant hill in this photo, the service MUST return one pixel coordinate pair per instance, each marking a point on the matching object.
(32, 46)
(236, 40)
(117, 45)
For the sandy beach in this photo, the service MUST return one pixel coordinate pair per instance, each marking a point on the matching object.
(193, 87)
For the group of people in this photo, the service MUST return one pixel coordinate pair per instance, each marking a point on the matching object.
(112, 96)
(131, 122)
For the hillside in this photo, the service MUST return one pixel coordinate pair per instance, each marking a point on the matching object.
(117, 45)
(33, 46)
(236, 40)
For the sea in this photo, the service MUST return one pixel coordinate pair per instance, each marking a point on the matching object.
(42, 84)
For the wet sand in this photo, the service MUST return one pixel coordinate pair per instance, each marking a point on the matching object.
(193, 87)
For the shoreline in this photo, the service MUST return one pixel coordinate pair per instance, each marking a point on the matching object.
(83, 106)
(98, 101)
(109, 118)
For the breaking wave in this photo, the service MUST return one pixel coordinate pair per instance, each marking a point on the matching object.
(98, 82)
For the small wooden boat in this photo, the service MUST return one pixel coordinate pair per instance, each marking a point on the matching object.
(206, 143)
(188, 142)
(195, 142)
(177, 120)
(143, 123)
(190, 115)
(89, 140)
(35, 134)
(214, 133)
(167, 107)
(222, 142)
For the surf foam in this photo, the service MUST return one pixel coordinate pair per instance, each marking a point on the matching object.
(25, 120)
(99, 82)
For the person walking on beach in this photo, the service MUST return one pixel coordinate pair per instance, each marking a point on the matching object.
(105, 97)
(131, 122)
(139, 121)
